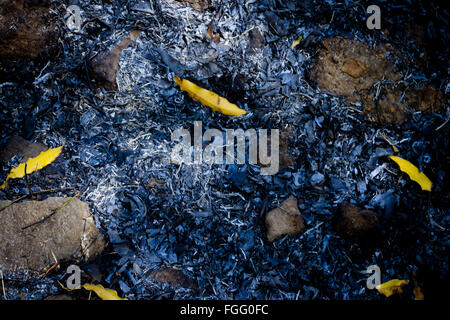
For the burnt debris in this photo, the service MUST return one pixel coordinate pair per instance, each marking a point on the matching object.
(104, 89)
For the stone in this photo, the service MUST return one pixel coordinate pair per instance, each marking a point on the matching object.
(198, 5)
(103, 67)
(286, 219)
(350, 68)
(428, 99)
(354, 222)
(27, 28)
(256, 40)
(387, 109)
(354, 68)
(173, 276)
(69, 234)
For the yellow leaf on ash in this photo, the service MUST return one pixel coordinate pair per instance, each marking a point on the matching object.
(209, 98)
(413, 172)
(418, 295)
(391, 287)
(33, 164)
(296, 42)
(67, 289)
(104, 294)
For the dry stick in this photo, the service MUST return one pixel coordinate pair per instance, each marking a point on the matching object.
(442, 125)
(12, 202)
(54, 266)
(54, 190)
(54, 212)
(42, 191)
(28, 183)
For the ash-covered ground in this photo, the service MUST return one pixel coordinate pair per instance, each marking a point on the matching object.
(208, 220)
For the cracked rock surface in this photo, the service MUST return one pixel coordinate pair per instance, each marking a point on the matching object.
(69, 234)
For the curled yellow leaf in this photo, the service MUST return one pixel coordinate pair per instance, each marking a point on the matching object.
(103, 293)
(209, 98)
(296, 42)
(391, 287)
(33, 164)
(413, 172)
(418, 294)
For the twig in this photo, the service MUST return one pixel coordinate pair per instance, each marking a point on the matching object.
(54, 266)
(3, 286)
(54, 190)
(53, 213)
(28, 183)
(36, 192)
(12, 202)
(241, 34)
(442, 125)
(383, 135)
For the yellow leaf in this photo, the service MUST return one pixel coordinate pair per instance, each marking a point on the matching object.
(67, 289)
(296, 42)
(413, 173)
(104, 294)
(209, 98)
(418, 295)
(33, 164)
(391, 287)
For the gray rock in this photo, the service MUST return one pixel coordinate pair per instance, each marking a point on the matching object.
(68, 234)
(286, 219)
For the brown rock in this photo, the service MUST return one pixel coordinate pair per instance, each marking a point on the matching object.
(27, 28)
(68, 234)
(392, 108)
(286, 219)
(173, 276)
(18, 145)
(354, 222)
(350, 68)
(256, 40)
(428, 99)
(104, 66)
(389, 109)
(198, 5)
(354, 68)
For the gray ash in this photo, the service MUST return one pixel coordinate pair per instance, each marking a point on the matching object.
(208, 221)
